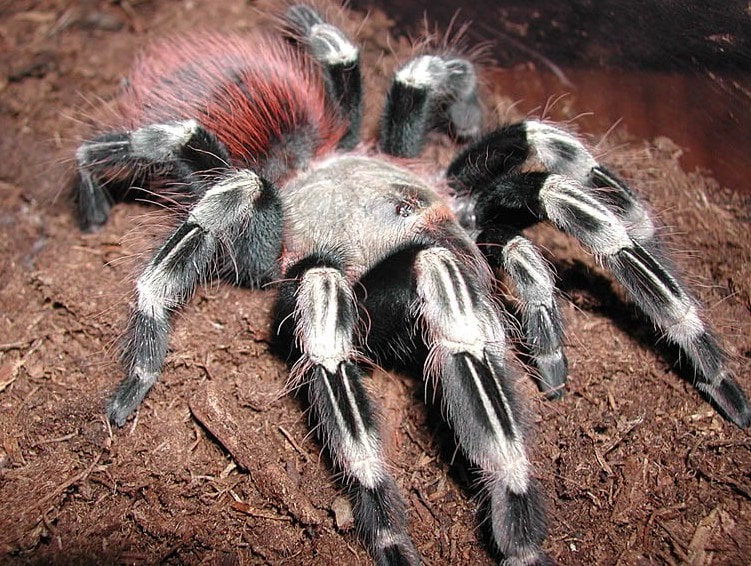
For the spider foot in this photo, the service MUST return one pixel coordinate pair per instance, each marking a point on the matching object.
(129, 395)
(380, 513)
(92, 199)
(552, 374)
(143, 355)
(93, 203)
(518, 524)
(712, 379)
(729, 400)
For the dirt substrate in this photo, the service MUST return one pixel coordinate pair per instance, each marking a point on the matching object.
(219, 468)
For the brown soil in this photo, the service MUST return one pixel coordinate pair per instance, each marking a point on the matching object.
(218, 468)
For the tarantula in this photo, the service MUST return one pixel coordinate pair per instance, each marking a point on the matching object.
(378, 258)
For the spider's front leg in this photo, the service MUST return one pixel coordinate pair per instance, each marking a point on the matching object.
(468, 355)
(459, 322)
(583, 199)
(320, 303)
(240, 212)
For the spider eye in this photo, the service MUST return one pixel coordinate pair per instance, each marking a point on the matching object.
(408, 203)
(405, 208)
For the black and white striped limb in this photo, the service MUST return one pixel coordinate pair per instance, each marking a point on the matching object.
(194, 253)
(531, 145)
(174, 150)
(468, 357)
(324, 316)
(533, 171)
(430, 91)
(541, 317)
(339, 59)
(655, 290)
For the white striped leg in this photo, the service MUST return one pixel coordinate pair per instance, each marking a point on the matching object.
(468, 356)
(532, 145)
(340, 61)
(173, 149)
(585, 200)
(656, 290)
(430, 91)
(542, 321)
(324, 315)
(187, 257)
(561, 153)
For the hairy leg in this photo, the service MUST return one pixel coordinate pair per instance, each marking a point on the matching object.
(339, 59)
(172, 150)
(320, 304)
(429, 91)
(530, 172)
(188, 257)
(430, 301)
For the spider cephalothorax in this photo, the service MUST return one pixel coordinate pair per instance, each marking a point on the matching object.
(377, 259)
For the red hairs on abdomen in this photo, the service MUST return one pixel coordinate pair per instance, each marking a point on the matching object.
(253, 93)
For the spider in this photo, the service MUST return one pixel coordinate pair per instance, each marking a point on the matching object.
(379, 258)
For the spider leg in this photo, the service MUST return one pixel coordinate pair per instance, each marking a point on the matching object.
(429, 91)
(612, 224)
(656, 290)
(323, 310)
(340, 60)
(239, 205)
(515, 148)
(468, 354)
(173, 149)
(459, 324)
(539, 312)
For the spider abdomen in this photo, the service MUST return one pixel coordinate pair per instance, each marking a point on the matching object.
(260, 97)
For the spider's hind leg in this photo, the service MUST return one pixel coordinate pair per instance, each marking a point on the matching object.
(339, 59)
(171, 150)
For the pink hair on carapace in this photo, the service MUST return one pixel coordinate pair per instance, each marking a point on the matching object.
(252, 92)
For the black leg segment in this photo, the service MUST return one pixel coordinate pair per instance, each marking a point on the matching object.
(339, 59)
(429, 91)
